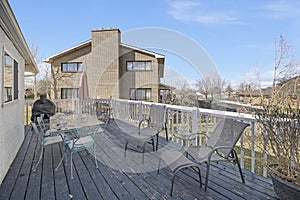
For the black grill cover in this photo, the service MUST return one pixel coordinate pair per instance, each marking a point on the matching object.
(42, 106)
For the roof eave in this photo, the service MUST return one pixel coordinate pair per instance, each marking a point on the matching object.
(156, 55)
(62, 53)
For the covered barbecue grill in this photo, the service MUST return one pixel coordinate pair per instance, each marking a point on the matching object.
(42, 106)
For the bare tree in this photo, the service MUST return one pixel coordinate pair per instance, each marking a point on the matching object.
(286, 69)
(186, 96)
(211, 87)
(229, 90)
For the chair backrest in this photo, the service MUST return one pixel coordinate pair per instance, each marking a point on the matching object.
(36, 131)
(226, 133)
(157, 116)
(41, 123)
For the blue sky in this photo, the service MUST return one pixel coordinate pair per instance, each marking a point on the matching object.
(237, 35)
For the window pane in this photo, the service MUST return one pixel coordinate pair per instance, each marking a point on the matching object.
(8, 60)
(129, 66)
(7, 94)
(139, 65)
(69, 93)
(140, 94)
(79, 66)
(148, 94)
(16, 80)
(8, 78)
(64, 67)
(71, 67)
(132, 94)
(148, 65)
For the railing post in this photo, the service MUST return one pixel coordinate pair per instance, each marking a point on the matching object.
(265, 170)
(207, 129)
(252, 147)
(26, 113)
(140, 109)
(182, 119)
(172, 123)
(200, 139)
(242, 152)
(194, 122)
(177, 120)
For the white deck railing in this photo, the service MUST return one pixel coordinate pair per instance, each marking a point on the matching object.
(196, 120)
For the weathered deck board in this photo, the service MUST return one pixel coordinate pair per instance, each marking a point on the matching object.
(119, 177)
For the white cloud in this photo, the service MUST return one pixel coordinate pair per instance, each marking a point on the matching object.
(196, 11)
(283, 9)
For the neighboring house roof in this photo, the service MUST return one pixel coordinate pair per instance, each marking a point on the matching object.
(156, 55)
(165, 86)
(89, 42)
(10, 26)
(70, 50)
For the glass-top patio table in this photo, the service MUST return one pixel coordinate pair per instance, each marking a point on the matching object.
(77, 131)
(61, 122)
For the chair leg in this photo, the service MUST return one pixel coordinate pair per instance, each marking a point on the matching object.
(166, 130)
(158, 166)
(156, 142)
(40, 158)
(207, 175)
(61, 160)
(152, 144)
(200, 179)
(94, 146)
(71, 164)
(126, 146)
(238, 164)
(143, 152)
(172, 184)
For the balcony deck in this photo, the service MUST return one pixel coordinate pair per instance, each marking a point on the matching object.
(119, 177)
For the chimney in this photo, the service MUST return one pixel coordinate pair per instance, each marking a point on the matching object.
(100, 36)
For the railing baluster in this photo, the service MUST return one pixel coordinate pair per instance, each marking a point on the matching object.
(173, 114)
(265, 170)
(27, 113)
(252, 147)
(200, 140)
(194, 123)
(207, 128)
(140, 111)
(242, 152)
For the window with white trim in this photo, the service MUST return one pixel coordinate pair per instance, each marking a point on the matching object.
(11, 79)
(71, 67)
(140, 94)
(139, 65)
(69, 93)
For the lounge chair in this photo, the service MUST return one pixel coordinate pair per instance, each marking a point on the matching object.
(219, 147)
(156, 122)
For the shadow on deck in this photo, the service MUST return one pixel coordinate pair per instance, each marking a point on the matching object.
(119, 177)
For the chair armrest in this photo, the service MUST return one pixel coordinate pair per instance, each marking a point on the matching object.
(143, 120)
(216, 150)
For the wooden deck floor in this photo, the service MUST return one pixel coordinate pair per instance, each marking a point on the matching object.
(118, 177)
